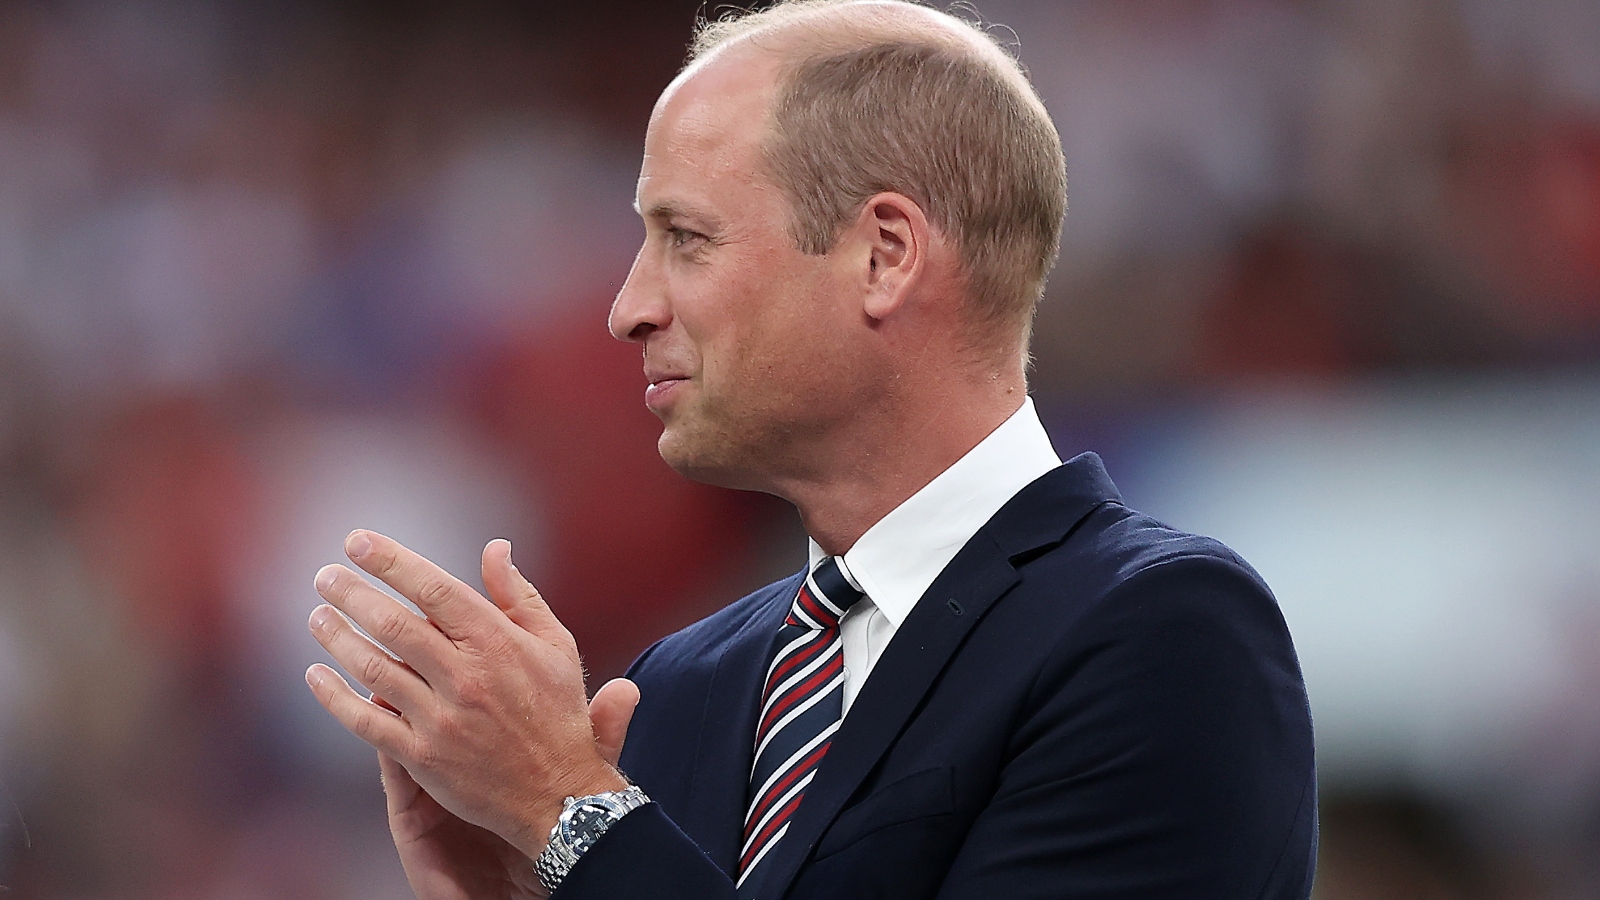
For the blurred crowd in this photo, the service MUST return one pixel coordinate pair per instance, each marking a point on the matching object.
(270, 272)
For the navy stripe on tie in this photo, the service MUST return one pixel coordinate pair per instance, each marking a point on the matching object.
(800, 710)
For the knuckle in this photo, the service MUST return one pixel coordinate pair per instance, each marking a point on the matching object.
(424, 753)
(496, 647)
(434, 591)
(373, 669)
(472, 692)
(364, 725)
(390, 626)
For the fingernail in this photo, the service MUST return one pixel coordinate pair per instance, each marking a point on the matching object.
(325, 577)
(357, 544)
(320, 618)
(314, 676)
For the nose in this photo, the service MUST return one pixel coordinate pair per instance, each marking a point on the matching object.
(641, 306)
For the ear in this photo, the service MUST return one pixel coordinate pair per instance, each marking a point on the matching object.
(897, 237)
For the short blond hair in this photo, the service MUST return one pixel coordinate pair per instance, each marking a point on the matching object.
(871, 105)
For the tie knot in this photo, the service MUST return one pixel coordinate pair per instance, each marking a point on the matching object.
(824, 598)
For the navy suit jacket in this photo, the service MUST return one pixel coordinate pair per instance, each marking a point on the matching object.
(1084, 704)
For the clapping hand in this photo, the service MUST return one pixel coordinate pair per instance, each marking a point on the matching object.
(478, 713)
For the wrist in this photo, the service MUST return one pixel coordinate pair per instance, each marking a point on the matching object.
(599, 780)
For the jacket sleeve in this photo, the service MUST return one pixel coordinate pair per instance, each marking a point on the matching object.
(1165, 752)
(645, 855)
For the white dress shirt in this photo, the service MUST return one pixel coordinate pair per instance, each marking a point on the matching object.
(900, 556)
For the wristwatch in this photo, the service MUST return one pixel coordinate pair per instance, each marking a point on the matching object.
(583, 820)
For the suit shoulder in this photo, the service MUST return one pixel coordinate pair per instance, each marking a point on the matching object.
(1119, 543)
(1125, 573)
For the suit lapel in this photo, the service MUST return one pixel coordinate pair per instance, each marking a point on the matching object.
(1043, 513)
(714, 816)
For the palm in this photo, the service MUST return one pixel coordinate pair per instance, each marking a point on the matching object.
(447, 858)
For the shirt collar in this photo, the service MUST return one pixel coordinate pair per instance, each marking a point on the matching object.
(896, 560)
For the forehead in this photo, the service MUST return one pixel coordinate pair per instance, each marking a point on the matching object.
(709, 123)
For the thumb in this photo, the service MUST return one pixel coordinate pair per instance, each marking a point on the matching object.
(609, 714)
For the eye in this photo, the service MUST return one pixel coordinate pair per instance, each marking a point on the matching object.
(682, 237)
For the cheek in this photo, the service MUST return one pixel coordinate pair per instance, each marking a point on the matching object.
(774, 328)
(792, 357)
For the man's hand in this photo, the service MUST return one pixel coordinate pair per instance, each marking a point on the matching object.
(480, 723)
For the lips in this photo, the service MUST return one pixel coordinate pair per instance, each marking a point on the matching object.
(662, 388)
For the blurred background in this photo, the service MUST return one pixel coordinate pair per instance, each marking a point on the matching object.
(269, 272)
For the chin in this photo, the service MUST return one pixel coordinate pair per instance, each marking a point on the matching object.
(694, 459)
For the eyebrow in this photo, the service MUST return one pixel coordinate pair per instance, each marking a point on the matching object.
(669, 209)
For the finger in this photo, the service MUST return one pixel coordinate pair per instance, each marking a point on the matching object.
(377, 670)
(387, 620)
(380, 728)
(456, 609)
(510, 591)
(609, 714)
(399, 787)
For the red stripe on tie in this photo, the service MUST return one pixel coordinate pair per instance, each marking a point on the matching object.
(816, 610)
(811, 761)
(798, 660)
(766, 833)
(799, 692)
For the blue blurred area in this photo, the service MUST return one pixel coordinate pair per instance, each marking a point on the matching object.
(1331, 278)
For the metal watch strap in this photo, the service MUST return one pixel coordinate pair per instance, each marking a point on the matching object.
(559, 855)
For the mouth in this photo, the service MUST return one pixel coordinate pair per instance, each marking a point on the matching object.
(661, 390)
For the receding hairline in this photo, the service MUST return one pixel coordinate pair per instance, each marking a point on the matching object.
(810, 31)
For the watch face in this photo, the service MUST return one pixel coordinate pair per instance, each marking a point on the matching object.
(584, 824)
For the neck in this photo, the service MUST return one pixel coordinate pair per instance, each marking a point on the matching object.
(897, 452)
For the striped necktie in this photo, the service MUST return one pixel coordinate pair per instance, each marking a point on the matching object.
(800, 711)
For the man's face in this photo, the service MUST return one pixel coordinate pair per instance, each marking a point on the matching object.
(746, 338)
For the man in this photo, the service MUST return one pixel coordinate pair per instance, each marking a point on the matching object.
(993, 680)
